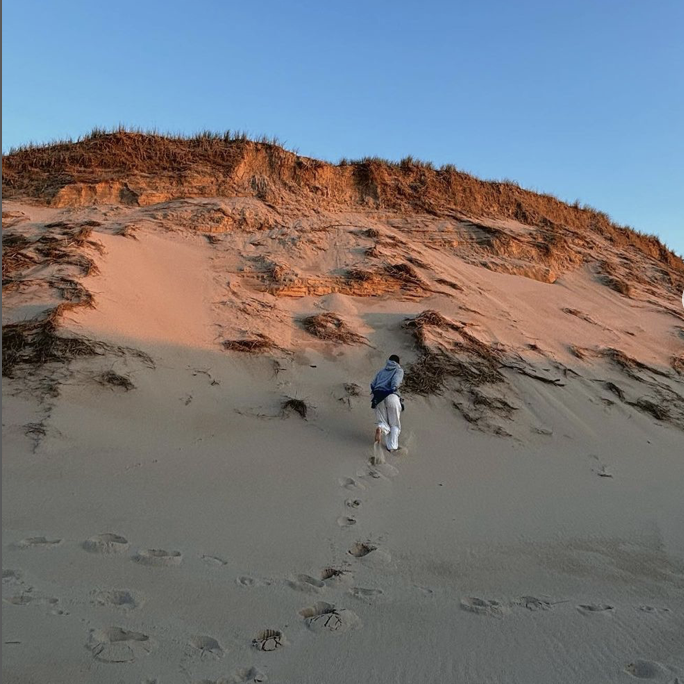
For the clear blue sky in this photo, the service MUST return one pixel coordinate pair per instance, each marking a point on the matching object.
(581, 98)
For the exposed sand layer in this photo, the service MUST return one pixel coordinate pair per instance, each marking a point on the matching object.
(191, 492)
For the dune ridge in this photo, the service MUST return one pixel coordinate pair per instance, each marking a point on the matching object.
(141, 169)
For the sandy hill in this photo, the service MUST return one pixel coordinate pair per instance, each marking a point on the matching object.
(190, 487)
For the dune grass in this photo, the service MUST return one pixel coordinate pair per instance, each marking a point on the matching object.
(39, 170)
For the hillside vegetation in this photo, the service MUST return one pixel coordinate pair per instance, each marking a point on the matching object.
(141, 169)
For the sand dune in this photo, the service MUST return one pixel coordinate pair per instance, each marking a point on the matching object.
(191, 492)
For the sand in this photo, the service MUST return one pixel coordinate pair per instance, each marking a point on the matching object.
(188, 530)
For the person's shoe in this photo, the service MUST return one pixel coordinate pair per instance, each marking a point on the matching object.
(378, 435)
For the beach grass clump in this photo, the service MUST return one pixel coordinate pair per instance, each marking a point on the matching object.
(405, 273)
(252, 345)
(36, 342)
(423, 322)
(330, 327)
(14, 259)
(299, 406)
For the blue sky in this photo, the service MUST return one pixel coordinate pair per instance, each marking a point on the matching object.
(581, 98)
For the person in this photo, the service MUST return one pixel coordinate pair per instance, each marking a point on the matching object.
(387, 403)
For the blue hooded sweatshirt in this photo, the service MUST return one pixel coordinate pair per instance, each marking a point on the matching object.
(387, 381)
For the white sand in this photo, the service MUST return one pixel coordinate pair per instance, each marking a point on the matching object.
(498, 560)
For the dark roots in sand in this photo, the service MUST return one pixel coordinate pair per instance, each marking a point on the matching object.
(297, 405)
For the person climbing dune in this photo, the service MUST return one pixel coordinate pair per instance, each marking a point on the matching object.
(387, 403)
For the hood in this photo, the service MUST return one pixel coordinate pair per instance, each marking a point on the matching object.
(392, 365)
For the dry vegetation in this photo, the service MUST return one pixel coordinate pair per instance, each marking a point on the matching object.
(329, 326)
(299, 406)
(459, 357)
(32, 344)
(658, 410)
(429, 374)
(426, 321)
(62, 245)
(385, 278)
(14, 257)
(352, 389)
(35, 343)
(257, 344)
(610, 276)
(40, 171)
(405, 274)
(663, 403)
(627, 364)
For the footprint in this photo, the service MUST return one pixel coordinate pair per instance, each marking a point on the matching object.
(11, 577)
(424, 590)
(346, 521)
(243, 675)
(653, 609)
(589, 608)
(542, 430)
(117, 645)
(158, 557)
(117, 598)
(38, 542)
(332, 576)
(106, 543)
(367, 595)
(19, 599)
(269, 640)
(245, 581)
(353, 503)
(383, 470)
(25, 598)
(214, 560)
(351, 484)
(645, 669)
(483, 606)
(327, 617)
(251, 582)
(207, 646)
(370, 554)
(604, 472)
(533, 603)
(307, 584)
(362, 549)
